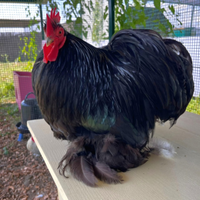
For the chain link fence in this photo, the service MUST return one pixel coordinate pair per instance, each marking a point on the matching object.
(20, 42)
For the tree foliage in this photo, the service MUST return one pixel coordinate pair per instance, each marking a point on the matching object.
(77, 14)
(131, 14)
(30, 50)
(97, 28)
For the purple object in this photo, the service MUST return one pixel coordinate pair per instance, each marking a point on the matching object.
(23, 85)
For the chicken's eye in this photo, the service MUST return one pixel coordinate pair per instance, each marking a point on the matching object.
(60, 32)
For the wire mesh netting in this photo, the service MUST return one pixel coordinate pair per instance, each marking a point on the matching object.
(20, 42)
(21, 36)
(186, 29)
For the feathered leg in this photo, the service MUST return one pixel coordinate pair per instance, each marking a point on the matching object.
(119, 155)
(100, 157)
(80, 163)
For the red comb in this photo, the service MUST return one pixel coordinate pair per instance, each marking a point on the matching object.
(54, 18)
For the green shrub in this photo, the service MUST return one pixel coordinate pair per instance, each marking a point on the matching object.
(7, 90)
(194, 105)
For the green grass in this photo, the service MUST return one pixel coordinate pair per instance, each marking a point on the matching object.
(7, 92)
(10, 109)
(194, 105)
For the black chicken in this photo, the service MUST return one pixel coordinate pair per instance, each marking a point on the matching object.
(106, 101)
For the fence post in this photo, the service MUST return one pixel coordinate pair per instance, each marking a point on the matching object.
(111, 18)
(41, 18)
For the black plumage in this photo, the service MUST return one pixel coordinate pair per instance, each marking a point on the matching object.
(107, 100)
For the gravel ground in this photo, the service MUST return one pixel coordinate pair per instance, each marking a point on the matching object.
(23, 176)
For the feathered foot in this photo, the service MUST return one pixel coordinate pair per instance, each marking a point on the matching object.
(100, 158)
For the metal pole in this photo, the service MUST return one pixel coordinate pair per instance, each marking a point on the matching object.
(111, 18)
(41, 19)
(192, 16)
(81, 15)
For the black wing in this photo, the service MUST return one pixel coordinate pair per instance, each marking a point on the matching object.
(151, 80)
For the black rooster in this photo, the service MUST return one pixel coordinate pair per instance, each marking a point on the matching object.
(106, 101)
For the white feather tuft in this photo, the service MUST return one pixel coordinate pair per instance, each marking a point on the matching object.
(32, 147)
(161, 147)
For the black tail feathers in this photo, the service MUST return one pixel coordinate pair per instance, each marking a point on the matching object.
(179, 48)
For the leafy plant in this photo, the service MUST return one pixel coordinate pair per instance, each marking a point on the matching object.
(5, 56)
(30, 50)
(194, 105)
(131, 14)
(126, 16)
(74, 12)
(97, 28)
(78, 14)
(7, 90)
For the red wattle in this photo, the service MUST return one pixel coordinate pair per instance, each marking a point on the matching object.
(53, 53)
(32, 139)
(46, 51)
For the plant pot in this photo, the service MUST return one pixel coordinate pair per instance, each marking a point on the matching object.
(23, 85)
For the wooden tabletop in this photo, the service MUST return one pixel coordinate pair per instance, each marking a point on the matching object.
(160, 178)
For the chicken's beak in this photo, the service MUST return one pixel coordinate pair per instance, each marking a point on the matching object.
(49, 41)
